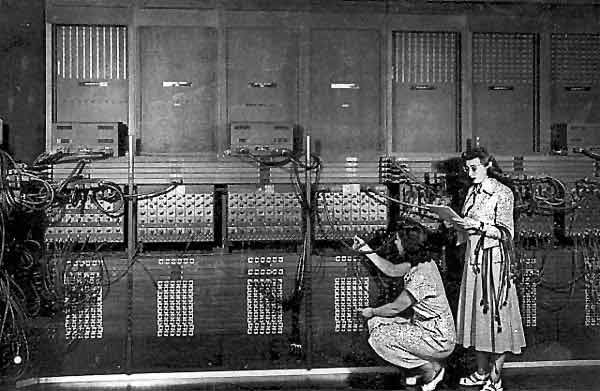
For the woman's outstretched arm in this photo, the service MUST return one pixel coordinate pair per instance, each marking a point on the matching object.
(386, 267)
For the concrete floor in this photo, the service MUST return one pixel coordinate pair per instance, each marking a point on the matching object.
(515, 379)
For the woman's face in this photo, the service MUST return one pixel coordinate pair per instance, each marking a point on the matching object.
(477, 171)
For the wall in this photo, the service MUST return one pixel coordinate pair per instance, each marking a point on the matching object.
(22, 80)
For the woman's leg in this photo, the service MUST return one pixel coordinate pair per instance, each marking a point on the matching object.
(483, 362)
(481, 375)
(432, 376)
(429, 370)
(498, 363)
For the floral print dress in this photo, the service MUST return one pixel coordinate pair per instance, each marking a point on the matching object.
(428, 335)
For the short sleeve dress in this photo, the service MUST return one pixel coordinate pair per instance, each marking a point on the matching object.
(428, 335)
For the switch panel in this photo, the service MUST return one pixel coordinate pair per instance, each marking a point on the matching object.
(264, 295)
(350, 294)
(175, 308)
(83, 299)
(530, 276)
(592, 291)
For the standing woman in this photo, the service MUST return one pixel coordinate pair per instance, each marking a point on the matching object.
(488, 317)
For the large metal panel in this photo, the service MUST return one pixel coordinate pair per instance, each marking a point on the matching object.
(562, 301)
(345, 104)
(341, 285)
(178, 86)
(505, 112)
(575, 78)
(22, 64)
(213, 311)
(262, 75)
(425, 92)
(90, 336)
(90, 71)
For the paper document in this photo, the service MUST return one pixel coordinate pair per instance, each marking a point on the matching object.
(444, 212)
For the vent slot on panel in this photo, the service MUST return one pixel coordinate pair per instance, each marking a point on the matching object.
(576, 58)
(91, 52)
(425, 57)
(503, 58)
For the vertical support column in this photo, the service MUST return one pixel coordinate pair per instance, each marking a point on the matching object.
(307, 258)
(388, 65)
(132, 68)
(48, 87)
(222, 142)
(545, 92)
(466, 86)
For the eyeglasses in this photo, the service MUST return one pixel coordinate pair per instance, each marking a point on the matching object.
(472, 168)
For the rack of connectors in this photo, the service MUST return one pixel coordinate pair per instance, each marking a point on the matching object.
(392, 170)
(582, 216)
(412, 198)
(264, 214)
(85, 222)
(426, 170)
(183, 215)
(344, 211)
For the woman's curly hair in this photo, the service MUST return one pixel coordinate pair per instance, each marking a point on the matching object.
(414, 239)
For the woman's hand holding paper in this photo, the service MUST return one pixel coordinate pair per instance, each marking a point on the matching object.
(466, 223)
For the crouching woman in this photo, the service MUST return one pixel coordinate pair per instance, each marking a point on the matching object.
(420, 341)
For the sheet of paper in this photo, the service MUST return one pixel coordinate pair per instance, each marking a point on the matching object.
(444, 212)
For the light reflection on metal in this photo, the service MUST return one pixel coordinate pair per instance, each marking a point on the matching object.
(349, 86)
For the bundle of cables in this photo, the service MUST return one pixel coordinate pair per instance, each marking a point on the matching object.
(29, 286)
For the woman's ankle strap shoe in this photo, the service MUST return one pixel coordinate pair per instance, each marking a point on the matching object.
(474, 379)
(491, 385)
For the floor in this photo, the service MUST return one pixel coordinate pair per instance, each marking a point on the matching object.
(515, 379)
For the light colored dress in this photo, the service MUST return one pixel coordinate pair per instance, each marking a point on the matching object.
(488, 316)
(428, 335)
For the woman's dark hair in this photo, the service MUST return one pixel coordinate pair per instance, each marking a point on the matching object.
(494, 171)
(414, 241)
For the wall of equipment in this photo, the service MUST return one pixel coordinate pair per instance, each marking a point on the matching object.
(230, 246)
